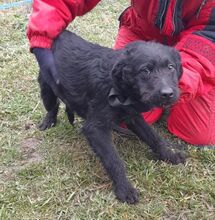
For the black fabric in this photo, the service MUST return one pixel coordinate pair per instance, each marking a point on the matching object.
(161, 15)
(177, 17)
(209, 31)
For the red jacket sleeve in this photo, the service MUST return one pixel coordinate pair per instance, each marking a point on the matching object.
(197, 49)
(50, 17)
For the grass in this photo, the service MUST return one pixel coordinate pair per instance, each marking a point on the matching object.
(54, 175)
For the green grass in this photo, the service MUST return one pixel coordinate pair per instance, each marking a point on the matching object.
(54, 174)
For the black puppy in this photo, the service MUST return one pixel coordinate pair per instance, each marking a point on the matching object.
(106, 86)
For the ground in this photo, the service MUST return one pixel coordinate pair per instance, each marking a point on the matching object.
(54, 174)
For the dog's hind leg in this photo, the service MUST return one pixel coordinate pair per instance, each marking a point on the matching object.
(162, 148)
(70, 115)
(99, 138)
(51, 104)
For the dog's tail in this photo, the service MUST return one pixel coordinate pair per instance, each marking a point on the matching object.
(50, 80)
(56, 87)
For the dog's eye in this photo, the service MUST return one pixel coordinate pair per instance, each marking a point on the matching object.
(171, 67)
(146, 71)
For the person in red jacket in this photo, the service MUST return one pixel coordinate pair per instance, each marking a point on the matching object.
(189, 26)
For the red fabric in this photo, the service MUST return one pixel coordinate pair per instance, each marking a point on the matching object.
(194, 121)
(193, 117)
(50, 17)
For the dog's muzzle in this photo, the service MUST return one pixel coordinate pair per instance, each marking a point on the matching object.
(166, 93)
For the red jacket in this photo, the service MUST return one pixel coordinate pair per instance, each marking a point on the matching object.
(189, 25)
(50, 17)
(169, 17)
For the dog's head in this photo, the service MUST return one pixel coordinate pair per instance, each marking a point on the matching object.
(148, 73)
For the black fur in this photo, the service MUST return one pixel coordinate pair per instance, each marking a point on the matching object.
(145, 73)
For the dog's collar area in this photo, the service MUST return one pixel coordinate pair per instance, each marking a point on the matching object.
(116, 100)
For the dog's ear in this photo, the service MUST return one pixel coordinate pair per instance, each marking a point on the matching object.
(177, 59)
(116, 72)
(122, 72)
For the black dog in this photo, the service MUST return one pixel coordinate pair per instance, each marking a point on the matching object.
(106, 86)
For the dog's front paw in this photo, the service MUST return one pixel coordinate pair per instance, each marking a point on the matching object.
(172, 155)
(47, 122)
(125, 192)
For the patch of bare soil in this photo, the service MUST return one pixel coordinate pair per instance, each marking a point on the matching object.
(30, 154)
(30, 151)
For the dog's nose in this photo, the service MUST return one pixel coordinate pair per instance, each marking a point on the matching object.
(166, 93)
